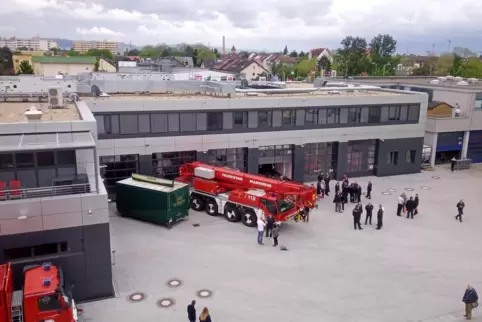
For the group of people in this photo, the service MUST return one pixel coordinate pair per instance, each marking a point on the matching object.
(191, 313)
(408, 206)
(358, 211)
(269, 226)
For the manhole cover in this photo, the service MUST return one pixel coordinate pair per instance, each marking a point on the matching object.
(435, 177)
(409, 189)
(174, 282)
(391, 190)
(204, 293)
(137, 297)
(425, 188)
(386, 193)
(165, 303)
(196, 225)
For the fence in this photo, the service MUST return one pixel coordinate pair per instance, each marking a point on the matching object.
(42, 192)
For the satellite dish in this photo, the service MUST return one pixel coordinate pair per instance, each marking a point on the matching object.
(74, 97)
(95, 91)
(244, 83)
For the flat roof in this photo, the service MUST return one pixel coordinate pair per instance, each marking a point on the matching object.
(425, 82)
(238, 95)
(46, 141)
(14, 112)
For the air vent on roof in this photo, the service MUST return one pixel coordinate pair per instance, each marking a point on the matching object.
(33, 114)
(473, 80)
(435, 81)
(462, 83)
(442, 79)
(56, 97)
(458, 79)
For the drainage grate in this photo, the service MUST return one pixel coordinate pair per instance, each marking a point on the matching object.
(137, 297)
(435, 177)
(204, 293)
(409, 189)
(174, 282)
(425, 188)
(391, 190)
(386, 193)
(165, 303)
(196, 225)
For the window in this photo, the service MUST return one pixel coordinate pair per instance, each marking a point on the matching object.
(231, 158)
(319, 157)
(374, 114)
(332, 116)
(24, 160)
(252, 119)
(354, 115)
(264, 119)
(227, 120)
(393, 158)
(6, 161)
(215, 121)
(188, 122)
(413, 112)
(201, 122)
(300, 118)
(46, 159)
(410, 156)
(129, 124)
(100, 124)
(173, 122)
(364, 114)
(343, 118)
(322, 116)
(277, 118)
(404, 113)
(114, 124)
(36, 250)
(288, 118)
(311, 116)
(166, 165)
(394, 113)
(355, 161)
(144, 123)
(49, 303)
(117, 168)
(66, 157)
(159, 123)
(240, 120)
(384, 114)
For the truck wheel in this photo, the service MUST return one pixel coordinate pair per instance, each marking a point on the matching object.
(197, 203)
(249, 218)
(232, 213)
(212, 208)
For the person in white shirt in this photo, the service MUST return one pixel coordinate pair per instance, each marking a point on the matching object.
(401, 201)
(457, 112)
(261, 225)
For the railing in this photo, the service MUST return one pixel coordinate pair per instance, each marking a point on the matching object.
(42, 192)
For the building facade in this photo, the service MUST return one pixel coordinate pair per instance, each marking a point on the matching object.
(84, 46)
(53, 205)
(32, 44)
(60, 65)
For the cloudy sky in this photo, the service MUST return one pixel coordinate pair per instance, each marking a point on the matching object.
(260, 24)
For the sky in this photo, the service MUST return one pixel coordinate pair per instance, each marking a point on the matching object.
(250, 24)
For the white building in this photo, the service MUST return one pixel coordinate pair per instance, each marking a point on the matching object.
(35, 43)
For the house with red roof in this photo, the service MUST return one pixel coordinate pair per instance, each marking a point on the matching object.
(318, 53)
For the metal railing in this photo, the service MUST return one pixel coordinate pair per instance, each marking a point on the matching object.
(42, 192)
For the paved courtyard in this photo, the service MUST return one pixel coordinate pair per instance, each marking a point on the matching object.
(412, 270)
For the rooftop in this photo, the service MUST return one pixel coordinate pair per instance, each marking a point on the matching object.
(14, 112)
(64, 59)
(409, 80)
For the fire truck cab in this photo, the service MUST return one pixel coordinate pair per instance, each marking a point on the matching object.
(43, 297)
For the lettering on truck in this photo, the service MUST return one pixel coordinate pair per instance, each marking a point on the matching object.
(230, 176)
(259, 183)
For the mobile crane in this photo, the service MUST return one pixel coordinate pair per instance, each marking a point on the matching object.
(242, 196)
(43, 297)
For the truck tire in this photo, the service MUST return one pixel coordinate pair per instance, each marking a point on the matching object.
(197, 203)
(232, 213)
(211, 207)
(249, 218)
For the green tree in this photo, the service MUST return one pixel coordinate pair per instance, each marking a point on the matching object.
(6, 61)
(352, 56)
(204, 54)
(165, 53)
(133, 52)
(151, 51)
(382, 48)
(189, 51)
(424, 70)
(302, 54)
(324, 64)
(72, 53)
(99, 53)
(473, 68)
(216, 52)
(304, 67)
(25, 67)
(457, 68)
(285, 51)
(294, 53)
(443, 65)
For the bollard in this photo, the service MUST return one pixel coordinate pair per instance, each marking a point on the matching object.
(113, 257)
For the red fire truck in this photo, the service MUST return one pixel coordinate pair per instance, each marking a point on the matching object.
(242, 196)
(43, 298)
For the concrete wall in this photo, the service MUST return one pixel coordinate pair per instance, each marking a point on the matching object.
(476, 120)
(428, 138)
(55, 69)
(35, 84)
(466, 100)
(401, 146)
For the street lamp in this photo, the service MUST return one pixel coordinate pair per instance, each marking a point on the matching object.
(376, 67)
(387, 64)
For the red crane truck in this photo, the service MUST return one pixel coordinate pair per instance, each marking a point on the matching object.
(43, 297)
(242, 196)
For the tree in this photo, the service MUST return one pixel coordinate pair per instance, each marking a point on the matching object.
(133, 52)
(99, 53)
(382, 48)
(216, 52)
(204, 54)
(25, 67)
(6, 61)
(302, 54)
(305, 66)
(473, 68)
(457, 68)
(443, 65)
(285, 51)
(352, 56)
(324, 64)
(424, 70)
(72, 53)
(294, 53)
(189, 51)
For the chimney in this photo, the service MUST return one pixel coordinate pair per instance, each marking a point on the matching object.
(224, 45)
(33, 114)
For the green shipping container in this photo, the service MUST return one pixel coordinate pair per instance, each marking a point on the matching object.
(152, 199)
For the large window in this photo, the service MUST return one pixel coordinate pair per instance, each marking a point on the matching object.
(320, 157)
(374, 114)
(264, 119)
(38, 169)
(240, 120)
(361, 156)
(231, 158)
(393, 158)
(166, 165)
(215, 121)
(311, 116)
(410, 156)
(332, 116)
(288, 118)
(354, 115)
(35, 251)
(118, 167)
(414, 113)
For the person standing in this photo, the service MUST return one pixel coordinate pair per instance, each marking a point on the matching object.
(470, 300)
(381, 210)
(417, 201)
(452, 164)
(319, 189)
(275, 235)
(357, 212)
(460, 209)
(400, 205)
(261, 225)
(191, 311)
(368, 213)
(337, 187)
(404, 196)
(358, 192)
(369, 190)
(205, 316)
(337, 202)
(269, 226)
(327, 184)
(410, 208)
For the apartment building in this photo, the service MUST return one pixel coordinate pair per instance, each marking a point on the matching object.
(83, 46)
(35, 43)
(53, 205)
(449, 135)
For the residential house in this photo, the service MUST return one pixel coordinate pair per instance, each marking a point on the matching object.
(55, 65)
(19, 57)
(107, 65)
(318, 53)
(411, 62)
(439, 109)
(249, 69)
(209, 63)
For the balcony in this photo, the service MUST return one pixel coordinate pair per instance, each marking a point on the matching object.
(440, 124)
